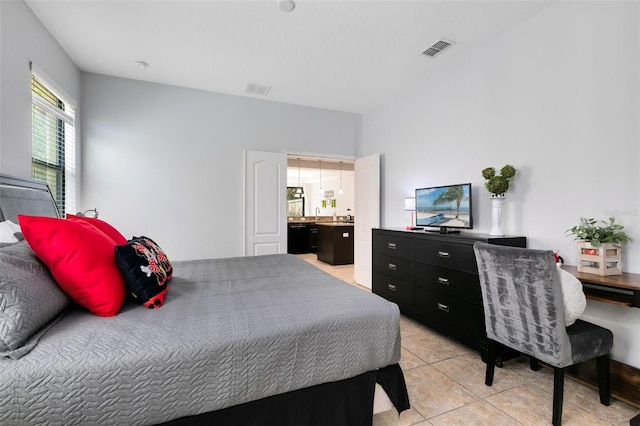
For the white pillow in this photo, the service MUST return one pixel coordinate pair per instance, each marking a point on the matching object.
(574, 299)
(7, 231)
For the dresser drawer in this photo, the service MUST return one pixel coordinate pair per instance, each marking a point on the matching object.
(392, 289)
(448, 255)
(463, 285)
(462, 316)
(392, 245)
(394, 267)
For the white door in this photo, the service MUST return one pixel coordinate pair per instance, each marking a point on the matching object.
(265, 222)
(367, 213)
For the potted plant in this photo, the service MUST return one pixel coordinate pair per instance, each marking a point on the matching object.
(497, 185)
(599, 245)
(608, 232)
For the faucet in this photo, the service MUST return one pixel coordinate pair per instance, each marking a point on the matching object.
(317, 212)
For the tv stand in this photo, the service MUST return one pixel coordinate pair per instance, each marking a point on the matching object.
(443, 230)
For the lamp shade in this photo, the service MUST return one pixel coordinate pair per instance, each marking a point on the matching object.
(409, 204)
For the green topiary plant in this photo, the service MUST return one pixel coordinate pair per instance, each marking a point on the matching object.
(497, 185)
(610, 232)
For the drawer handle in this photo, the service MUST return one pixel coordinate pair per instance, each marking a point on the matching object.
(391, 287)
(392, 266)
(391, 246)
(443, 307)
(443, 254)
(443, 280)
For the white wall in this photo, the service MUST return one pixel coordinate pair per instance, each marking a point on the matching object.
(167, 162)
(22, 39)
(559, 98)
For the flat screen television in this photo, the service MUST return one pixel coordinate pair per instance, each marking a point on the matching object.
(447, 207)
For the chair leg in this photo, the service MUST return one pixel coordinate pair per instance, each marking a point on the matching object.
(492, 352)
(558, 394)
(534, 364)
(604, 383)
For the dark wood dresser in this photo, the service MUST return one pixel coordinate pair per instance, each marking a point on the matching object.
(434, 279)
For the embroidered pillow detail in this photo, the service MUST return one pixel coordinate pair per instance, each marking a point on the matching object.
(146, 270)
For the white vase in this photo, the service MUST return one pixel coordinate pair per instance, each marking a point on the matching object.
(496, 215)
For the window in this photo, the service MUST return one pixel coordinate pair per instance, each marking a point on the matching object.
(53, 143)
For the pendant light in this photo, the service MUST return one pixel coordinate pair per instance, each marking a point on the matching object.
(299, 190)
(320, 190)
(340, 191)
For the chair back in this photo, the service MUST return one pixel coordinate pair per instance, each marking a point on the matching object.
(522, 301)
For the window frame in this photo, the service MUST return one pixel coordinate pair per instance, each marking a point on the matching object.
(56, 156)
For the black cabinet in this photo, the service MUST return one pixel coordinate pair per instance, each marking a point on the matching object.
(313, 238)
(298, 238)
(335, 243)
(434, 279)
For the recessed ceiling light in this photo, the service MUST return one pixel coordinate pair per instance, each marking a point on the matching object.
(141, 64)
(286, 5)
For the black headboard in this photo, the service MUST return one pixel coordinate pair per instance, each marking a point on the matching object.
(22, 196)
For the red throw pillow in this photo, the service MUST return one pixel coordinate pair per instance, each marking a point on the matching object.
(81, 259)
(112, 232)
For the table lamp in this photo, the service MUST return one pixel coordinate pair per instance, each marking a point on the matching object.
(410, 206)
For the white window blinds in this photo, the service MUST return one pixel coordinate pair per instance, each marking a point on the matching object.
(53, 144)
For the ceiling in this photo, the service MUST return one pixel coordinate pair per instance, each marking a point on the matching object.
(350, 56)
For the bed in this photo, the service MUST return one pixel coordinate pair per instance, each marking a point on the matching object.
(254, 340)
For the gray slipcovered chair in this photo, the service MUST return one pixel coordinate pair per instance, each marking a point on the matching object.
(523, 310)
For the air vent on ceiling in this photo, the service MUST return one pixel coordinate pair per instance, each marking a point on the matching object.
(438, 47)
(257, 89)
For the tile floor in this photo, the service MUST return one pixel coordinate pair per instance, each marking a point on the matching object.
(445, 381)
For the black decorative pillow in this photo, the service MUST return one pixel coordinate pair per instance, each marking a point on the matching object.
(146, 270)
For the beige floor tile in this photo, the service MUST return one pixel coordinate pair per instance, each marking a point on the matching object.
(432, 393)
(391, 418)
(409, 360)
(424, 423)
(469, 371)
(410, 327)
(531, 405)
(588, 399)
(479, 413)
(432, 347)
(624, 423)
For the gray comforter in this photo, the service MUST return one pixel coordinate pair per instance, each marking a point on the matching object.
(231, 331)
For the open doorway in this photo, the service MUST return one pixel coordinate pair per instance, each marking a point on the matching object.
(365, 214)
(320, 187)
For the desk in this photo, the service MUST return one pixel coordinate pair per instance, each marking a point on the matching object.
(622, 290)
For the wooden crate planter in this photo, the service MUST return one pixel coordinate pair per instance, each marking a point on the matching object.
(605, 259)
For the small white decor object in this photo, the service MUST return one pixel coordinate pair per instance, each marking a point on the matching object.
(497, 184)
(496, 216)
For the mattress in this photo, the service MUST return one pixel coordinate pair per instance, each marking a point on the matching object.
(231, 331)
